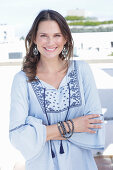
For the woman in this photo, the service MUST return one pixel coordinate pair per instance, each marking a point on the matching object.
(55, 117)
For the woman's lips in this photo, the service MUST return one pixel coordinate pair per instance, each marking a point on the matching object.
(50, 49)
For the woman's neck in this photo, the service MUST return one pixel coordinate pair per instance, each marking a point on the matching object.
(50, 65)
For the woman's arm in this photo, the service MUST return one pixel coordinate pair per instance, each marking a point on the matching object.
(26, 133)
(92, 107)
(52, 133)
(81, 124)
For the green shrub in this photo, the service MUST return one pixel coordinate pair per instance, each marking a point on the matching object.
(72, 18)
(80, 20)
(90, 23)
(93, 29)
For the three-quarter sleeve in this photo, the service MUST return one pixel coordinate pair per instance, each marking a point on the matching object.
(92, 106)
(26, 132)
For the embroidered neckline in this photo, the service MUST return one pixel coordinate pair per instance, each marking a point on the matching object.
(51, 104)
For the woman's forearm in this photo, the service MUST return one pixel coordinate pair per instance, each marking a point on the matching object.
(81, 124)
(53, 132)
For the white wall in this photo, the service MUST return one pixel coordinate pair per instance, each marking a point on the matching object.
(92, 41)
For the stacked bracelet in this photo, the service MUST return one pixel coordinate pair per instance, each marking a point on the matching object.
(62, 129)
(72, 125)
(68, 127)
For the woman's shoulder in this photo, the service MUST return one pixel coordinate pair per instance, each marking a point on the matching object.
(81, 63)
(82, 66)
(85, 70)
(20, 77)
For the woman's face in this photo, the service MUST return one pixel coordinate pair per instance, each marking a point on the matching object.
(49, 39)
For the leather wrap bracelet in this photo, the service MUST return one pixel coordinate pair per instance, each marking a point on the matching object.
(63, 131)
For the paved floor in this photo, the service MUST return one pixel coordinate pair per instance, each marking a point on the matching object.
(103, 74)
(104, 162)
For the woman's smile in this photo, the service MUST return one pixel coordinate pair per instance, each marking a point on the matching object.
(50, 49)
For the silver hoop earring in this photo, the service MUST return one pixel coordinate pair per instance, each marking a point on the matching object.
(64, 52)
(35, 50)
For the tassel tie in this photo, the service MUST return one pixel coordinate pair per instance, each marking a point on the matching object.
(61, 148)
(52, 152)
(61, 144)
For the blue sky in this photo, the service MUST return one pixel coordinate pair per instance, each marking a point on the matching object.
(21, 13)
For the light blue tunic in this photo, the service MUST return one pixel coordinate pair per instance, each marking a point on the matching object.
(75, 97)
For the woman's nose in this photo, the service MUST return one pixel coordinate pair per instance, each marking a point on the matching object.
(50, 40)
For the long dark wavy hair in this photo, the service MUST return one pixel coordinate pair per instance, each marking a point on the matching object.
(30, 61)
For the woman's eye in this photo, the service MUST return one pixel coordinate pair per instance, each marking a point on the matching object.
(43, 35)
(57, 35)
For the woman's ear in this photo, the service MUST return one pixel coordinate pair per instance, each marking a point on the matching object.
(65, 41)
(34, 42)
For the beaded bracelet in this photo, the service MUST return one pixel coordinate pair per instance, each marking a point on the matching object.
(72, 125)
(68, 126)
(63, 131)
(59, 128)
(63, 127)
(68, 135)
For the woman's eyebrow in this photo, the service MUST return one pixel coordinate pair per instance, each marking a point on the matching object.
(47, 33)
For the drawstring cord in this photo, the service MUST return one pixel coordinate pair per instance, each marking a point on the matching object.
(52, 152)
(61, 145)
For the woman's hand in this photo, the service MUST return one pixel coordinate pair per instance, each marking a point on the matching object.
(86, 123)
